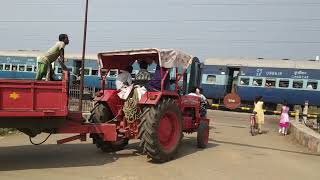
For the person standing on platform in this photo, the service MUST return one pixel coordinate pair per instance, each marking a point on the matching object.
(258, 108)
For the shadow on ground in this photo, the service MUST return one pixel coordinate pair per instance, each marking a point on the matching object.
(263, 147)
(52, 156)
(74, 155)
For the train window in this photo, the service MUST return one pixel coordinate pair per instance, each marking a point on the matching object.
(312, 85)
(1, 67)
(133, 76)
(244, 81)
(35, 69)
(7, 67)
(257, 82)
(22, 67)
(297, 84)
(94, 72)
(70, 69)
(14, 67)
(86, 71)
(112, 73)
(283, 83)
(29, 68)
(59, 70)
(211, 79)
(270, 83)
(56, 69)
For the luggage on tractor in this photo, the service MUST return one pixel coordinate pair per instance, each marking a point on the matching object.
(160, 115)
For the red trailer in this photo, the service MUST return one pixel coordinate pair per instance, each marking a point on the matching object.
(34, 107)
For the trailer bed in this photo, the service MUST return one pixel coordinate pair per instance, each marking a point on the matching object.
(28, 98)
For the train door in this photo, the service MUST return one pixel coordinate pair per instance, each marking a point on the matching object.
(232, 80)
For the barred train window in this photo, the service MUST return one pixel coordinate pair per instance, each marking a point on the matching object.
(21, 67)
(283, 83)
(14, 67)
(29, 68)
(270, 83)
(94, 72)
(1, 67)
(244, 81)
(112, 73)
(298, 84)
(7, 67)
(86, 71)
(211, 79)
(312, 85)
(257, 82)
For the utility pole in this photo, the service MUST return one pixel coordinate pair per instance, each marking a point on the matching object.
(83, 56)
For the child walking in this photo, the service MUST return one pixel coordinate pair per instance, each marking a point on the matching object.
(258, 108)
(284, 119)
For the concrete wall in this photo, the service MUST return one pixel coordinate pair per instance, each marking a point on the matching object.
(305, 136)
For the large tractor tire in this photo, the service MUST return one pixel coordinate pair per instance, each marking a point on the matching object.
(160, 130)
(101, 113)
(203, 135)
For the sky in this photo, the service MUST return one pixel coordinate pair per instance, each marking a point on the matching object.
(203, 28)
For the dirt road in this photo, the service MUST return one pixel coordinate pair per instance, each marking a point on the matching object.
(231, 154)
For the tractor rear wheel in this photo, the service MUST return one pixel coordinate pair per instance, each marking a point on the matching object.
(160, 130)
(101, 113)
(202, 135)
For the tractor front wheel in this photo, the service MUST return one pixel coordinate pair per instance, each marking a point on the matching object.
(107, 146)
(160, 130)
(101, 113)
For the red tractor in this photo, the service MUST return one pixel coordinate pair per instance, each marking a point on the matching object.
(160, 116)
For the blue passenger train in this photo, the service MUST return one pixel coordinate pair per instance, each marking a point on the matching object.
(22, 65)
(275, 80)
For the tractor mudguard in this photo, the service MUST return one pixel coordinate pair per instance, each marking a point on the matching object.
(111, 98)
(105, 95)
(151, 98)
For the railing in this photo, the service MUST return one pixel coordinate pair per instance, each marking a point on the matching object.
(74, 98)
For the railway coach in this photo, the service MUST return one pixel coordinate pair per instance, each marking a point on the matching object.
(275, 80)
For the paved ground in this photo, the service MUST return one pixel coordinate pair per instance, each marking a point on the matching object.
(232, 154)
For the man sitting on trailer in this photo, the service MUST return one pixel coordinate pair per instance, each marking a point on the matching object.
(45, 60)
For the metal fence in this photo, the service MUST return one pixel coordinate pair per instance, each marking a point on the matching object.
(74, 98)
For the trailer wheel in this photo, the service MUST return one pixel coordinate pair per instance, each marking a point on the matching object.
(101, 113)
(202, 135)
(160, 130)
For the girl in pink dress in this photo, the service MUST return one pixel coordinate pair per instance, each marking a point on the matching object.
(284, 119)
